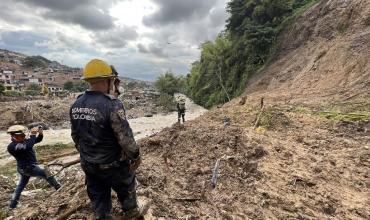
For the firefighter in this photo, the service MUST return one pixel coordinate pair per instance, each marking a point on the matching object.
(181, 110)
(104, 139)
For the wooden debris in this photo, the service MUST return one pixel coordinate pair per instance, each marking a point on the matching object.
(62, 166)
(259, 118)
(215, 174)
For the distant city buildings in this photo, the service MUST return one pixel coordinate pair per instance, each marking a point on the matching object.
(15, 77)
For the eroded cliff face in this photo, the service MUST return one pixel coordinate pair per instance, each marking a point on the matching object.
(323, 55)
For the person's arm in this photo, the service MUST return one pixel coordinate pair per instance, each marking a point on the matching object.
(40, 136)
(123, 132)
(28, 143)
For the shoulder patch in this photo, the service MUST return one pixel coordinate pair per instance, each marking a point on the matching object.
(122, 114)
(20, 146)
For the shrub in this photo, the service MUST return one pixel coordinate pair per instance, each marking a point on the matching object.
(14, 93)
(167, 102)
(2, 88)
(31, 93)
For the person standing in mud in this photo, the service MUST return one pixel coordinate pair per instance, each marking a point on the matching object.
(108, 151)
(181, 110)
(21, 148)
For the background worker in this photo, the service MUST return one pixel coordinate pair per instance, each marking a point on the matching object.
(21, 148)
(181, 110)
(108, 151)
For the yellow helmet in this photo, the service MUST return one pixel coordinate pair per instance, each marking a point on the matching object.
(16, 129)
(97, 69)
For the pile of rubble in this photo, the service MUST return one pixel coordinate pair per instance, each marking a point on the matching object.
(54, 112)
(299, 166)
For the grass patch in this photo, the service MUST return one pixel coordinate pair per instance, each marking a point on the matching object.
(298, 12)
(49, 152)
(347, 117)
(302, 110)
(266, 118)
(342, 27)
(54, 147)
(8, 170)
(3, 213)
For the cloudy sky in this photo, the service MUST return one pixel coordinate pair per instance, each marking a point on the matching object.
(142, 38)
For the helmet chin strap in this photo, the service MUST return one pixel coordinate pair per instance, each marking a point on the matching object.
(114, 87)
(110, 90)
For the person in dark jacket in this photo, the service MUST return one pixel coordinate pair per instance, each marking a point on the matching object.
(104, 139)
(22, 150)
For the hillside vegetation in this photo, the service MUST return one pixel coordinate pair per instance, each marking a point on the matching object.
(246, 44)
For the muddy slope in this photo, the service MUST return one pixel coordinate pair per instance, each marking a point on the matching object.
(302, 166)
(297, 165)
(324, 55)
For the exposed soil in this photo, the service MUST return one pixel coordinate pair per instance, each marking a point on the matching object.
(322, 57)
(297, 162)
(295, 166)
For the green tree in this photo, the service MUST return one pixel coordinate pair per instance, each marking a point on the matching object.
(80, 86)
(226, 64)
(131, 85)
(167, 102)
(2, 88)
(68, 86)
(167, 83)
(35, 61)
(34, 87)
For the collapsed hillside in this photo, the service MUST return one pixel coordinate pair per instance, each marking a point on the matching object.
(297, 165)
(298, 162)
(324, 55)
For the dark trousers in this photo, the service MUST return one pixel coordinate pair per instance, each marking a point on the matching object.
(25, 175)
(181, 114)
(101, 181)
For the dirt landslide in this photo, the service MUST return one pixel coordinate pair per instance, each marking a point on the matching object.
(54, 112)
(323, 55)
(293, 164)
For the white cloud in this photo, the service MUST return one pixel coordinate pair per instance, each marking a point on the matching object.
(142, 38)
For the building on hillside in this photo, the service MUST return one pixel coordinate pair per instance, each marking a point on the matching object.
(54, 88)
(10, 87)
(7, 77)
(18, 62)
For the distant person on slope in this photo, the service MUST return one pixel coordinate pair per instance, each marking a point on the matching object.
(22, 150)
(108, 151)
(181, 110)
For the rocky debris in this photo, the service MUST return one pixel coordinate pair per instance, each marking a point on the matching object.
(6, 187)
(293, 165)
(38, 124)
(303, 170)
(141, 103)
(54, 112)
(42, 111)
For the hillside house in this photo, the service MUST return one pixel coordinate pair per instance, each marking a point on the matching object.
(54, 88)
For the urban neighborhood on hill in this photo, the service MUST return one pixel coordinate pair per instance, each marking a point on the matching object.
(19, 72)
